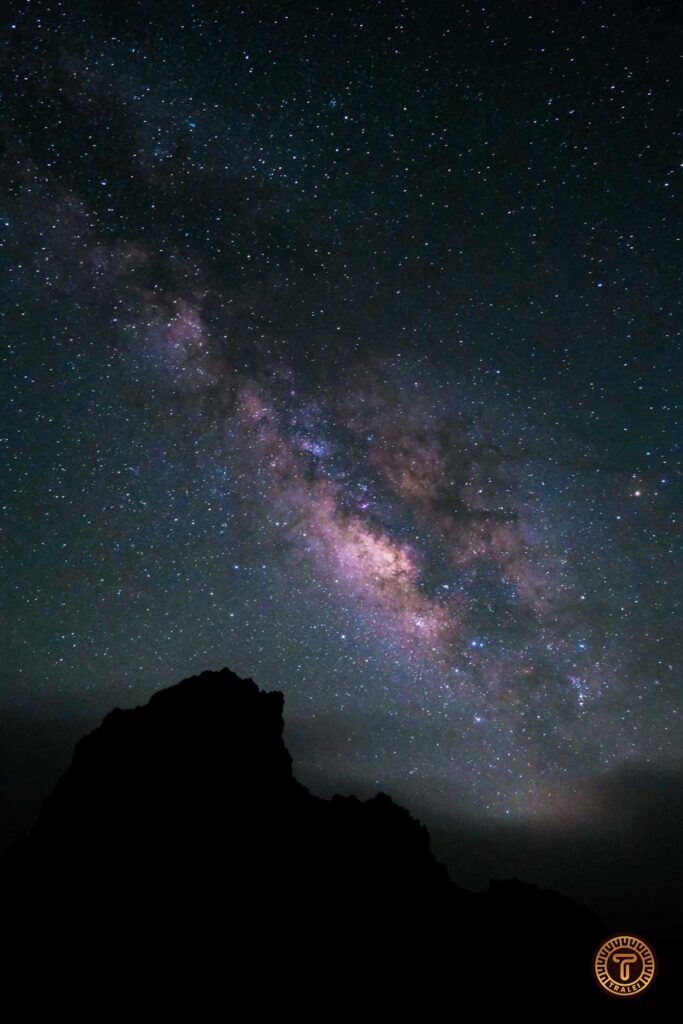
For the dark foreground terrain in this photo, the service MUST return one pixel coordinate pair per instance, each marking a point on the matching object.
(179, 863)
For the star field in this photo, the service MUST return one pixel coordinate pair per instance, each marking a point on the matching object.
(341, 346)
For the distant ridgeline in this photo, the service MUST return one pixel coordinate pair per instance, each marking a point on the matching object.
(179, 852)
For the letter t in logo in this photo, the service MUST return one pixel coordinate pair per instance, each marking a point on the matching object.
(624, 960)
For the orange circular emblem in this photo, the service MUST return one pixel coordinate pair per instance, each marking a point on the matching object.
(624, 965)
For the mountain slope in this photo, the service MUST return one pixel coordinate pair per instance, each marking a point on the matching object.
(179, 835)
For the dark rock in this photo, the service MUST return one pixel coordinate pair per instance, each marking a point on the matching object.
(180, 839)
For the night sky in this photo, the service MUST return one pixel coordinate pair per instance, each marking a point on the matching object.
(341, 346)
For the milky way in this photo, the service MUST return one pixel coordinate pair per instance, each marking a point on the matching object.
(356, 373)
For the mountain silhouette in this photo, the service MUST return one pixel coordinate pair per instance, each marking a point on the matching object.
(180, 854)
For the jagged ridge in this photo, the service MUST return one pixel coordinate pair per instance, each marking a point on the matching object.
(185, 812)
